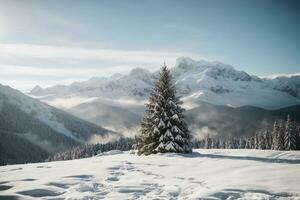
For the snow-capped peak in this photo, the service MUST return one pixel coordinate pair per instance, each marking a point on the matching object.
(186, 63)
(139, 72)
(36, 90)
(215, 69)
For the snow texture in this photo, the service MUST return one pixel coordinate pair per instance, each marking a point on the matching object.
(204, 174)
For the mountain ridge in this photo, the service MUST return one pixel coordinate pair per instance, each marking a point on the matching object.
(30, 124)
(212, 82)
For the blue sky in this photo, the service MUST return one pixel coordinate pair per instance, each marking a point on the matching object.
(57, 42)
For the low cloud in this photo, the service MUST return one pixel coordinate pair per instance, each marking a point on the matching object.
(43, 63)
(67, 103)
(112, 55)
(103, 139)
(200, 133)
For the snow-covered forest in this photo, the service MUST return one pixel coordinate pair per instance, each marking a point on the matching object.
(284, 136)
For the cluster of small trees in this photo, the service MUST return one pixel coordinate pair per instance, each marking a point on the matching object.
(284, 136)
(123, 144)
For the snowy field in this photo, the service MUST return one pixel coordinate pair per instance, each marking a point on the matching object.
(205, 174)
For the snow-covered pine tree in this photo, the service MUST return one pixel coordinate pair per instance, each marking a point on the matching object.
(213, 143)
(163, 128)
(229, 143)
(223, 144)
(216, 143)
(208, 142)
(242, 143)
(290, 135)
(248, 143)
(274, 134)
(268, 139)
(261, 141)
(235, 143)
(297, 128)
(298, 136)
(256, 141)
(252, 143)
(280, 137)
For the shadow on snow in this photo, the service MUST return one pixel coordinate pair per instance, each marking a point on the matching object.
(251, 158)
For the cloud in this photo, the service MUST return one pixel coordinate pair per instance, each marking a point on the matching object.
(44, 64)
(67, 103)
(200, 133)
(273, 76)
(32, 71)
(111, 55)
(95, 139)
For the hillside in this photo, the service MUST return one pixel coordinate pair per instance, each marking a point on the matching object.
(212, 174)
(32, 126)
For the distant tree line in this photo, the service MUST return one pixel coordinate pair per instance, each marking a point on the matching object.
(85, 151)
(284, 136)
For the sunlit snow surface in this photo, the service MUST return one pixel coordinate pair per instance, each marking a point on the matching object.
(205, 174)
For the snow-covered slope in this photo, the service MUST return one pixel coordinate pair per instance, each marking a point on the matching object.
(221, 84)
(213, 82)
(205, 174)
(40, 124)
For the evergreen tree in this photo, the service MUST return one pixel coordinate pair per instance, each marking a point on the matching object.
(229, 142)
(280, 137)
(223, 144)
(216, 143)
(290, 135)
(268, 139)
(252, 143)
(248, 143)
(163, 128)
(297, 129)
(256, 141)
(275, 135)
(261, 141)
(208, 142)
(242, 143)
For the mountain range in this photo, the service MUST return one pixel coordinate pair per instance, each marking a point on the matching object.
(218, 98)
(213, 82)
